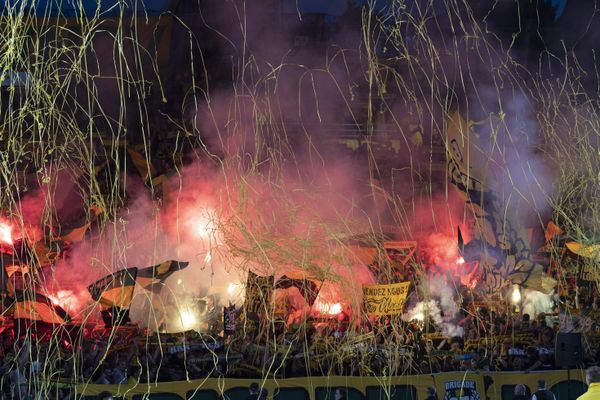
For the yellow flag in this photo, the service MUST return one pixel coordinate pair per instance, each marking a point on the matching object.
(590, 251)
(385, 299)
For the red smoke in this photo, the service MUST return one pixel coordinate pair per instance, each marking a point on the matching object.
(72, 301)
(440, 252)
(434, 225)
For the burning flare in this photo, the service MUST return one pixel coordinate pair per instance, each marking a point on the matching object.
(188, 319)
(6, 233)
(200, 223)
(329, 308)
(232, 288)
(516, 295)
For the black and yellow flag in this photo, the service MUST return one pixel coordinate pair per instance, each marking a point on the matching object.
(115, 290)
(308, 288)
(587, 251)
(77, 231)
(37, 307)
(17, 278)
(151, 278)
(38, 253)
(150, 175)
(13, 272)
(142, 165)
(259, 291)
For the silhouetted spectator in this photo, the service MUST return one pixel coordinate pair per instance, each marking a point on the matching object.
(431, 393)
(253, 391)
(340, 394)
(520, 392)
(542, 393)
(105, 396)
(264, 394)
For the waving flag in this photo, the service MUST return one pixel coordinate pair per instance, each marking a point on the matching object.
(13, 273)
(78, 230)
(149, 174)
(259, 291)
(37, 307)
(33, 253)
(309, 289)
(150, 278)
(115, 290)
(587, 251)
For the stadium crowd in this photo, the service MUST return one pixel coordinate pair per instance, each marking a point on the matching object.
(491, 342)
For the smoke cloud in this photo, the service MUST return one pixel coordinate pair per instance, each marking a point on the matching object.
(441, 307)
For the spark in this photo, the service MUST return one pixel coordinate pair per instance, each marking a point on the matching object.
(188, 319)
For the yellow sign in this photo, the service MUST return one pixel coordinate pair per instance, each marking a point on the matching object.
(385, 299)
(434, 336)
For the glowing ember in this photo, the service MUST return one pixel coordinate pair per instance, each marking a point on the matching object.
(329, 308)
(5, 233)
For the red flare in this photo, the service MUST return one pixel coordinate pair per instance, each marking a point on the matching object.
(6, 233)
(328, 308)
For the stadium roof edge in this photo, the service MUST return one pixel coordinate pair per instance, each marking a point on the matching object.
(78, 8)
